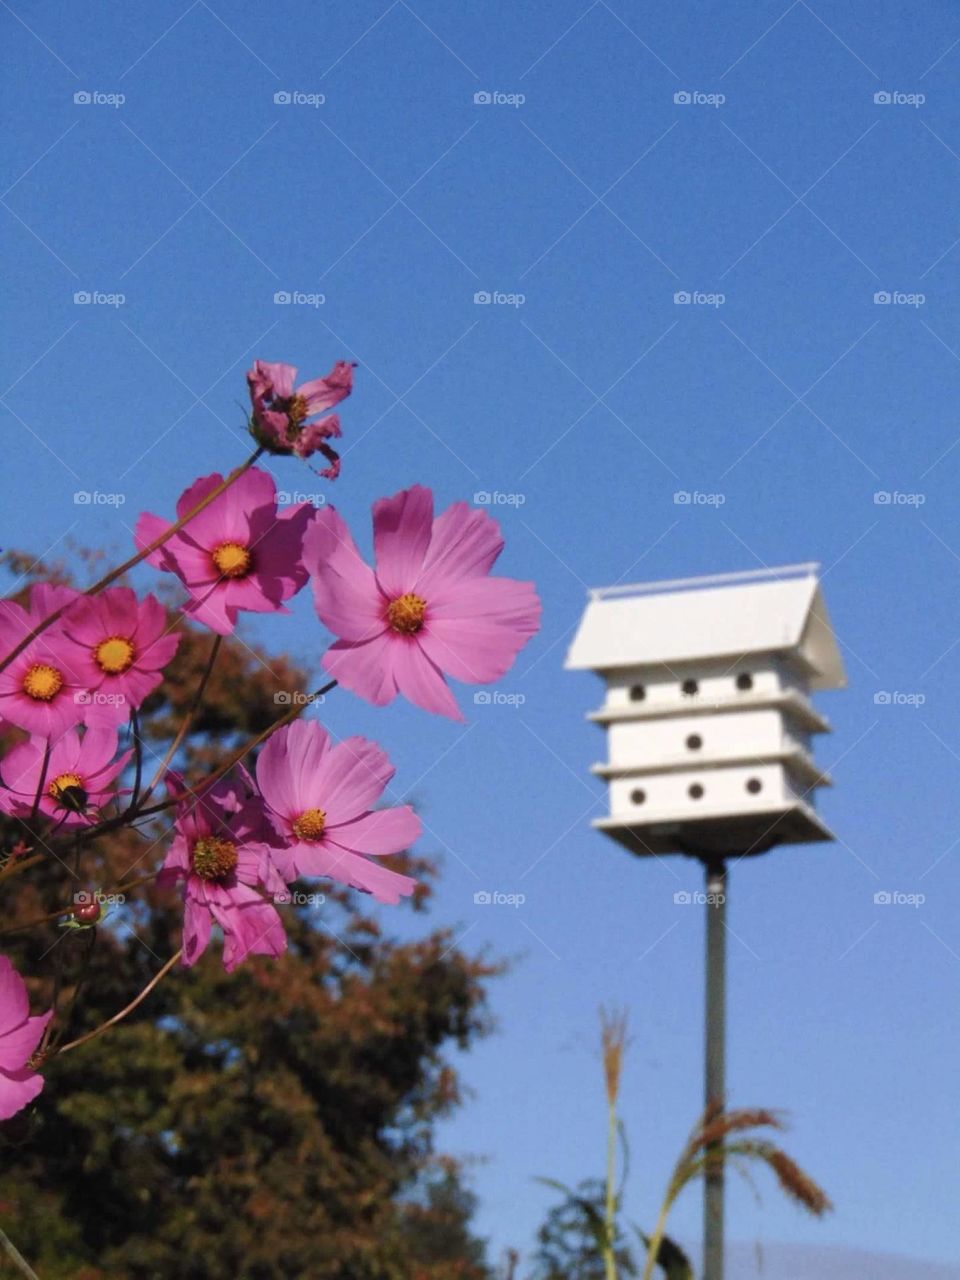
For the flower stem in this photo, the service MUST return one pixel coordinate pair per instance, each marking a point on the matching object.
(238, 755)
(148, 550)
(16, 1257)
(118, 1017)
(609, 1253)
(188, 719)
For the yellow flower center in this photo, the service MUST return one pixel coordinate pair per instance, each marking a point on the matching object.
(42, 682)
(406, 613)
(213, 857)
(232, 559)
(296, 412)
(115, 655)
(68, 790)
(310, 825)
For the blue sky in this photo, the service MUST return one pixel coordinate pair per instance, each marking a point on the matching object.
(785, 199)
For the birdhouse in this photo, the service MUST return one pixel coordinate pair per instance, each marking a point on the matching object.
(708, 716)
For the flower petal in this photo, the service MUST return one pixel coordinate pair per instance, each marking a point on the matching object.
(383, 831)
(401, 535)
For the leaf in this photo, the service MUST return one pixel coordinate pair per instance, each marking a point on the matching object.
(671, 1259)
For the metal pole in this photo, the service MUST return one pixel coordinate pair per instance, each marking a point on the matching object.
(715, 879)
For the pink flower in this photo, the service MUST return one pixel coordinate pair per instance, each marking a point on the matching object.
(220, 855)
(429, 610)
(320, 800)
(42, 690)
(19, 1036)
(78, 781)
(238, 553)
(120, 646)
(281, 411)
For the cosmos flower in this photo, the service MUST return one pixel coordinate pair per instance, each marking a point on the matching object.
(282, 412)
(120, 646)
(43, 689)
(220, 857)
(320, 798)
(237, 553)
(428, 610)
(77, 783)
(19, 1036)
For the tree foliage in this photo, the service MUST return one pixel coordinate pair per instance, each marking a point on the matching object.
(273, 1123)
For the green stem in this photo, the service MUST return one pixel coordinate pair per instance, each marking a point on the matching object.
(16, 1257)
(657, 1238)
(609, 1252)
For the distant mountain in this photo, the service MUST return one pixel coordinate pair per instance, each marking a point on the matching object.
(808, 1262)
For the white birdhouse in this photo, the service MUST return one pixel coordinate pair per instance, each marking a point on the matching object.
(708, 715)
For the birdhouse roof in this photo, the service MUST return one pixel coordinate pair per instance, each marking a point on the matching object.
(778, 611)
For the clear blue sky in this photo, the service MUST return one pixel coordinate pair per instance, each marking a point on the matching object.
(797, 399)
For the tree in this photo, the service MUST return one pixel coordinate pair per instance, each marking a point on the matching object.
(277, 1122)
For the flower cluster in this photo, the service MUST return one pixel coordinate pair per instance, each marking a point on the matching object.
(80, 666)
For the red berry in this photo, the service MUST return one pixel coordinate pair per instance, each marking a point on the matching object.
(87, 912)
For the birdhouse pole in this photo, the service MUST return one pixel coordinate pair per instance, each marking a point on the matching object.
(709, 722)
(715, 1036)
